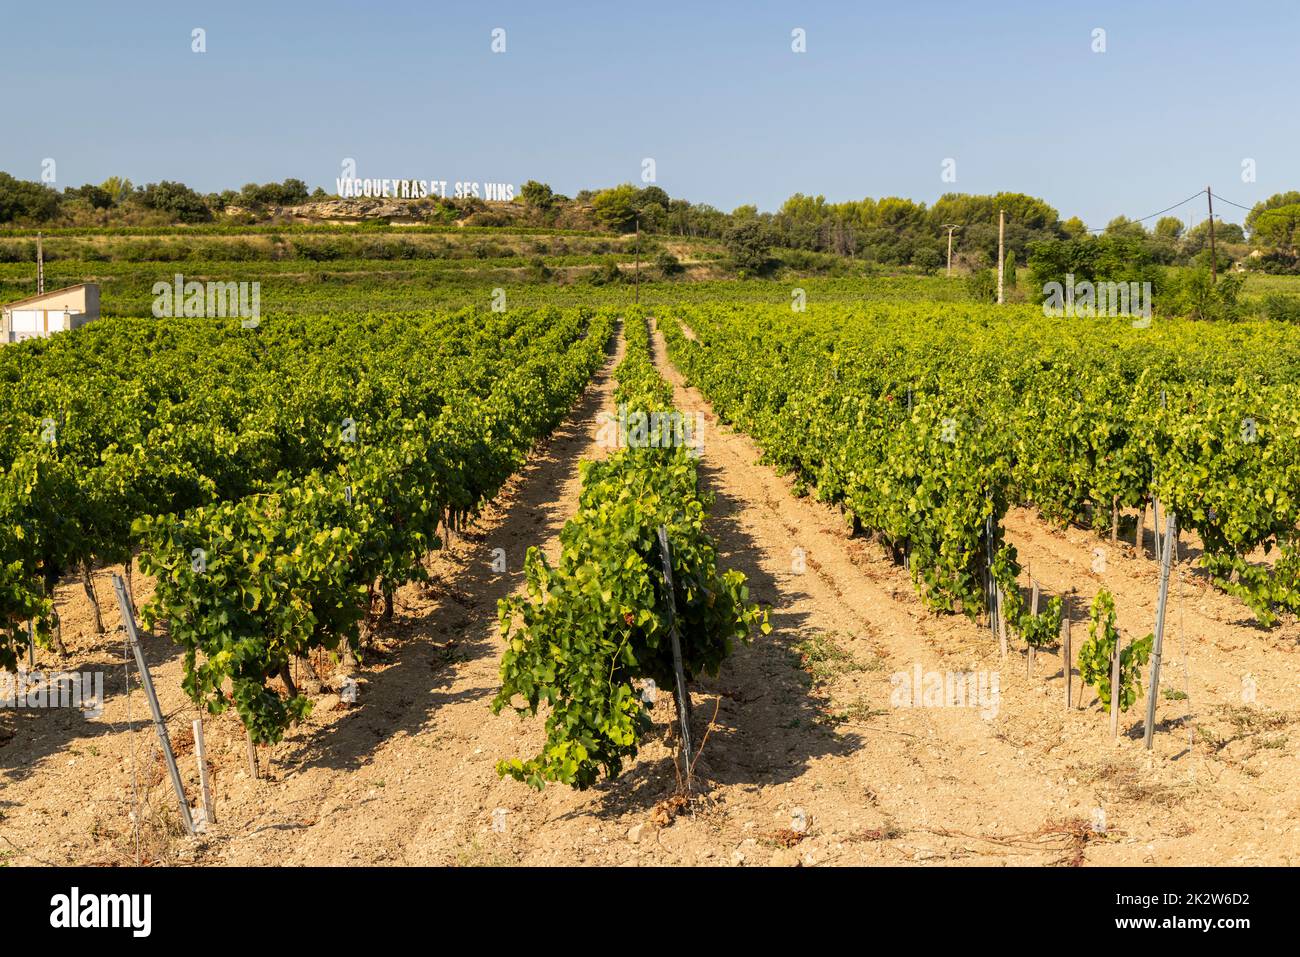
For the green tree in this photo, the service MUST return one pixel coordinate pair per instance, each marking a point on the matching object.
(1074, 228)
(289, 193)
(1169, 227)
(1009, 274)
(118, 187)
(23, 199)
(96, 196)
(1279, 227)
(616, 208)
(1288, 198)
(538, 195)
(749, 246)
(652, 196)
(1123, 226)
(177, 200)
(1198, 238)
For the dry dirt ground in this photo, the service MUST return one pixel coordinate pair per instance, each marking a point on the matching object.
(807, 760)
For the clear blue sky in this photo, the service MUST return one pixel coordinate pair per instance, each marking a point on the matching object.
(712, 91)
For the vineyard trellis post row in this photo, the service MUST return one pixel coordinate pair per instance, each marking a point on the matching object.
(1154, 687)
(132, 637)
(683, 695)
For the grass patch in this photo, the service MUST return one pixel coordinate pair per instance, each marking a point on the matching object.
(858, 710)
(478, 856)
(825, 659)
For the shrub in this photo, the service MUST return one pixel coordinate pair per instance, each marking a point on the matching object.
(605, 275)
(982, 285)
(1275, 262)
(1281, 308)
(927, 259)
(537, 270)
(667, 263)
(1195, 294)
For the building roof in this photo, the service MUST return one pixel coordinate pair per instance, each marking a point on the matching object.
(46, 295)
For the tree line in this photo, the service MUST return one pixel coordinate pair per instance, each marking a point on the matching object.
(889, 231)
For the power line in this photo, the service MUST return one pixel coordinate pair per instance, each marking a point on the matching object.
(1231, 203)
(1196, 195)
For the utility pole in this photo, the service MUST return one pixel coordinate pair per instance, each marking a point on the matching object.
(1214, 260)
(950, 227)
(638, 259)
(40, 265)
(1002, 232)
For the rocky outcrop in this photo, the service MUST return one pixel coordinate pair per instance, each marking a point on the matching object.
(431, 209)
(363, 208)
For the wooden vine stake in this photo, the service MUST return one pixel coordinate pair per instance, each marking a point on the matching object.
(1115, 689)
(1067, 666)
(133, 639)
(201, 755)
(1002, 621)
(1149, 731)
(252, 755)
(683, 695)
(1141, 530)
(1033, 610)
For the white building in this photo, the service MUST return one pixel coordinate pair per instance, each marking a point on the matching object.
(50, 312)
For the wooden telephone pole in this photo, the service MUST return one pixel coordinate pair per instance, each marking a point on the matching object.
(1214, 259)
(40, 265)
(638, 259)
(1002, 232)
(950, 227)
